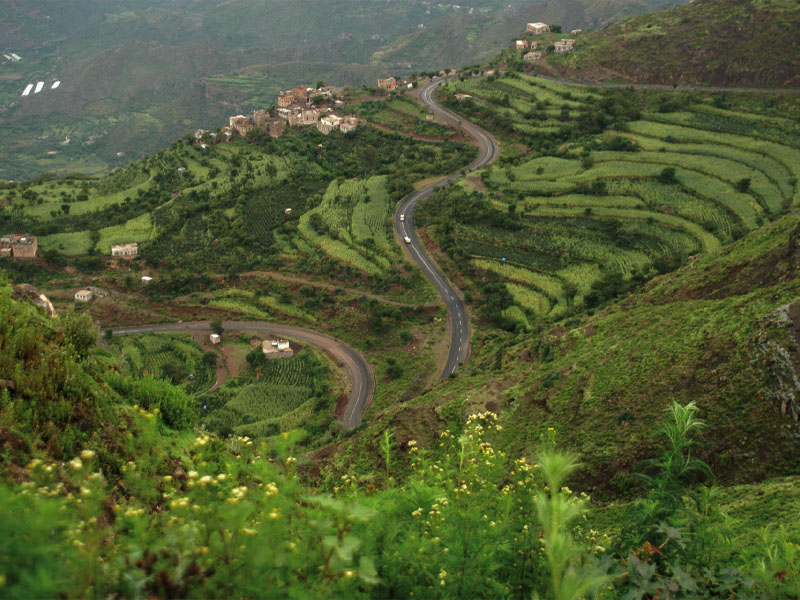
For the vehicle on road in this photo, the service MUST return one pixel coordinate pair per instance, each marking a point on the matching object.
(407, 240)
(403, 217)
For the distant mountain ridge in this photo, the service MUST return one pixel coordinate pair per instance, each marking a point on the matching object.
(136, 74)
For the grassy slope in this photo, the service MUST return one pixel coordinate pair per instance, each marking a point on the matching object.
(716, 42)
(689, 335)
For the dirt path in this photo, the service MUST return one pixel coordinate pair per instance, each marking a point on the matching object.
(201, 339)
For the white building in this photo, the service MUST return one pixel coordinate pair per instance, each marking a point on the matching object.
(328, 123)
(125, 250)
(348, 124)
(276, 349)
(84, 296)
(537, 28)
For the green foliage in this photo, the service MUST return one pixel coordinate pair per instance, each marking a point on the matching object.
(695, 44)
(59, 400)
(174, 405)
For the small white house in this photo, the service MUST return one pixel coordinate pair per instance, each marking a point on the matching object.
(214, 338)
(146, 279)
(125, 250)
(84, 295)
(276, 349)
(537, 28)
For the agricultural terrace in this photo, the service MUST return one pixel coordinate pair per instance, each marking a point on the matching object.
(175, 357)
(599, 189)
(287, 395)
(403, 114)
(233, 207)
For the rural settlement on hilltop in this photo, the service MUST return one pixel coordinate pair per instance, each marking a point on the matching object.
(535, 49)
(298, 107)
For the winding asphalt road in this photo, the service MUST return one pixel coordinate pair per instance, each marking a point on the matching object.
(488, 151)
(362, 377)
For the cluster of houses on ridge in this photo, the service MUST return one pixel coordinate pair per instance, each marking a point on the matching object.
(299, 107)
(532, 49)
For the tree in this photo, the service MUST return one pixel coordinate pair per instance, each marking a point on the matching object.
(743, 185)
(555, 28)
(216, 326)
(667, 176)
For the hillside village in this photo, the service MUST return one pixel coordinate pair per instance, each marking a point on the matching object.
(536, 49)
(300, 106)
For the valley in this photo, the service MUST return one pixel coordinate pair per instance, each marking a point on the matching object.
(490, 331)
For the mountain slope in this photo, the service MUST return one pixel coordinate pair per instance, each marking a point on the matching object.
(706, 42)
(720, 331)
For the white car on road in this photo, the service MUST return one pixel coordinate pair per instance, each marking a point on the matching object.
(403, 217)
(407, 240)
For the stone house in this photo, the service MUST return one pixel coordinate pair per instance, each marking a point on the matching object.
(520, 44)
(84, 295)
(214, 338)
(300, 94)
(241, 124)
(565, 45)
(276, 349)
(260, 118)
(537, 28)
(530, 56)
(387, 83)
(348, 124)
(285, 99)
(125, 250)
(19, 246)
(328, 123)
(461, 97)
(226, 132)
(303, 116)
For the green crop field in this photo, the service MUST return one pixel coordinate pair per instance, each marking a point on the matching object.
(598, 189)
(353, 225)
(280, 395)
(168, 356)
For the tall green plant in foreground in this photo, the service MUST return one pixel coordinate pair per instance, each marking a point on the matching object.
(671, 475)
(572, 575)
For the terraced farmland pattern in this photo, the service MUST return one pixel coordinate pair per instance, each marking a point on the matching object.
(284, 397)
(352, 225)
(597, 188)
(168, 356)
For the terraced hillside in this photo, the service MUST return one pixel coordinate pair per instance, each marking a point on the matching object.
(596, 190)
(255, 203)
(706, 42)
(173, 357)
(275, 396)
